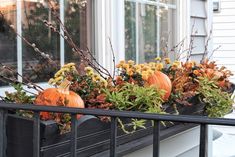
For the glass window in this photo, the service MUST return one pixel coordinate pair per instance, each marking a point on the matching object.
(35, 67)
(77, 16)
(149, 29)
(29, 15)
(8, 39)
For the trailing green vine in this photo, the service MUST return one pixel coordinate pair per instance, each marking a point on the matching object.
(131, 97)
(218, 103)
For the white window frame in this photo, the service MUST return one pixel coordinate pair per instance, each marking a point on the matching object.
(114, 28)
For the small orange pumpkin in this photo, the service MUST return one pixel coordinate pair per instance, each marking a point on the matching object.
(161, 81)
(60, 96)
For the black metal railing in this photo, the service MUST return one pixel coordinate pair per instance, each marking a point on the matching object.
(201, 120)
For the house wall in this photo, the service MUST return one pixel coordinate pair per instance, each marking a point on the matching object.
(224, 35)
(175, 146)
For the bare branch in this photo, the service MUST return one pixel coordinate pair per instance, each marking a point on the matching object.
(217, 48)
(29, 84)
(113, 55)
(191, 42)
(68, 38)
(205, 53)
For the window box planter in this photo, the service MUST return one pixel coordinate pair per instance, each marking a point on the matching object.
(93, 137)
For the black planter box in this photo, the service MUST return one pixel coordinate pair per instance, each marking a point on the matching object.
(93, 138)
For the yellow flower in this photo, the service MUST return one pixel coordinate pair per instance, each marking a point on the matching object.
(64, 69)
(103, 82)
(177, 63)
(138, 71)
(58, 73)
(98, 79)
(129, 72)
(131, 62)
(58, 79)
(90, 73)
(88, 69)
(122, 62)
(51, 81)
(150, 72)
(126, 66)
(158, 59)
(167, 60)
(73, 68)
(96, 76)
(159, 66)
(146, 68)
(142, 65)
(69, 65)
(145, 75)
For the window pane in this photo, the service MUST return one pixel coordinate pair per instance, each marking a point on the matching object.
(35, 67)
(168, 1)
(77, 16)
(8, 38)
(149, 31)
(130, 31)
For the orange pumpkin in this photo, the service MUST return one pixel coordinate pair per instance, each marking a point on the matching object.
(161, 81)
(60, 96)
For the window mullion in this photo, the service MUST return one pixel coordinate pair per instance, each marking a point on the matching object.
(62, 47)
(19, 39)
(137, 30)
(158, 30)
(154, 3)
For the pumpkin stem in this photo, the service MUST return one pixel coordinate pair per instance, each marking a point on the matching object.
(65, 85)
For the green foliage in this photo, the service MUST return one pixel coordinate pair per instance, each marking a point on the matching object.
(19, 96)
(132, 97)
(218, 103)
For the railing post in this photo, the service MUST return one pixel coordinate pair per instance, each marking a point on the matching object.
(36, 135)
(74, 133)
(203, 141)
(156, 138)
(113, 136)
(3, 142)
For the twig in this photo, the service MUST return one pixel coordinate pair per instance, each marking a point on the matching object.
(36, 49)
(91, 62)
(191, 43)
(114, 64)
(217, 48)
(29, 84)
(206, 48)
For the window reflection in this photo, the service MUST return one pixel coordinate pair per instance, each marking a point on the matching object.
(8, 38)
(149, 31)
(35, 67)
(76, 17)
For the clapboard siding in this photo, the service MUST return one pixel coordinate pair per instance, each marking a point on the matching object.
(224, 35)
(227, 4)
(227, 19)
(223, 54)
(223, 26)
(224, 40)
(228, 12)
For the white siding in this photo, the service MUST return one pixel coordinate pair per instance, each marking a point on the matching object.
(224, 35)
